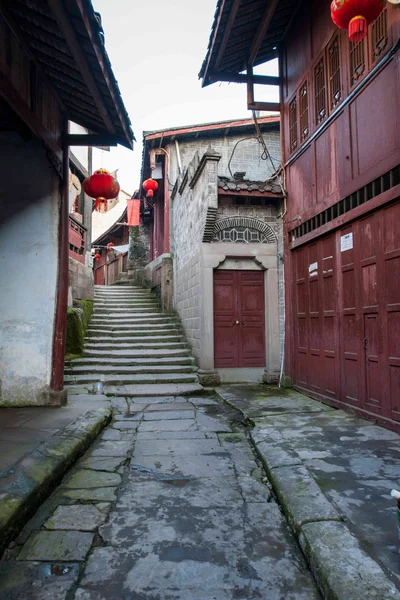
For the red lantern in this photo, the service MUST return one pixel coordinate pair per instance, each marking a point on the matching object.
(97, 256)
(356, 15)
(150, 186)
(110, 245)
(102, 186)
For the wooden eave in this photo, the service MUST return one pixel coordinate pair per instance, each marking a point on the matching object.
(245, 33)
(65, 40)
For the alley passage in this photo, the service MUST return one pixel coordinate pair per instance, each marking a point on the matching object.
(169, 503)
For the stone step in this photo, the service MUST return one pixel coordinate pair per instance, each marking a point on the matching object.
(111, 371)
(93, 334)
(136, 379)
(122, 310)
(165, 389)
(132, 339)
(91, 363)
(111, 355)
(145, 345)
(112, 319)
(121, 294)
(121, 327)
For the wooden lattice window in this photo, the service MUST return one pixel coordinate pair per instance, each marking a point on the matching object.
(379, 35)
(335, 84)
(303, 104)
(293, 124)
(357, 61)
(320, 91)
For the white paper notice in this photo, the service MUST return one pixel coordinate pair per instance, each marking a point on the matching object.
(346, 242)
(313, 269)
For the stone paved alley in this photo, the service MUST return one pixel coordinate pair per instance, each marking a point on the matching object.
(169, 503)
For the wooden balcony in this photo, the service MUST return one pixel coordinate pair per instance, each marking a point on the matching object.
(77, 240)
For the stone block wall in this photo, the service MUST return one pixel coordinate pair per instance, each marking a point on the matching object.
(246, 156)
(189, 217)
(81, 281)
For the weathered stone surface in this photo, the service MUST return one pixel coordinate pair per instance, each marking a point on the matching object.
(110, 435)
(300, 497)
(102, 463)
(156, 426)
(37, 580)
(132, 425)
(111, 448)
(174, 406)
(181, 447)
(33, 477)
(57, 546)
(343, 570)
(78, 517)
(105, 494)
(86, 478)
(168, 415)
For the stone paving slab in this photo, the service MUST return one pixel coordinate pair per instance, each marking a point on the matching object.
(209, 465)
(168, 415)
(156, 426)
(183, 447)
(76, 516)
(325, 464)
(86, 478)
(57, 546)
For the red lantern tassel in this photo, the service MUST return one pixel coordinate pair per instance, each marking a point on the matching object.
(358, 28)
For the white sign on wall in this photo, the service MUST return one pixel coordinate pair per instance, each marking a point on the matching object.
(313, 269)
(346, 242)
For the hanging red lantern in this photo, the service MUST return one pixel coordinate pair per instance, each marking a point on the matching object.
(110, 245)
(356, 15)
(97, 256)
(102, 186)
(150, 186)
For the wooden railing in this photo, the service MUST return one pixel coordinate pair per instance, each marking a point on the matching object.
(77, 240)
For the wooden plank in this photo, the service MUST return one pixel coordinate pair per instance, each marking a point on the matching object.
(79, 55)
(91, 139)
(262, 30)
(228, 28)
(242, 78)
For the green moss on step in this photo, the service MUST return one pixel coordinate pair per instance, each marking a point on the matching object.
(78, 319)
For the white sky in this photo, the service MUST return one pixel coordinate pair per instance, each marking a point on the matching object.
(156, 50)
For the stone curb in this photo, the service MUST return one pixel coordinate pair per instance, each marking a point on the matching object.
(34, 477)
(342, 569)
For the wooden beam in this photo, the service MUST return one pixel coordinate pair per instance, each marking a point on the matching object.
(228, 28)
(242, 78)
(91, 139)
(64, 23)
(262, 30)
(271, 106)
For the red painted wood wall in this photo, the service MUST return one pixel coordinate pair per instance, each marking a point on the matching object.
(343, 307)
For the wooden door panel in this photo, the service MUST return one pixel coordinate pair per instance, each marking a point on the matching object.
(225, 311)
(239, 321)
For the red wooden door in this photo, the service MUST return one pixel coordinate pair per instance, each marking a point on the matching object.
(239, 319)
(347, 305)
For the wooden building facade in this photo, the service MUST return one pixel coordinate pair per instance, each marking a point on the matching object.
(340, 129)
(54, 70)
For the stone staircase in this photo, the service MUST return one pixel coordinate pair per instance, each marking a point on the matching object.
(133, 348)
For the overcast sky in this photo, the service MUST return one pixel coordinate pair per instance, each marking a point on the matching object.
(156, 50)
